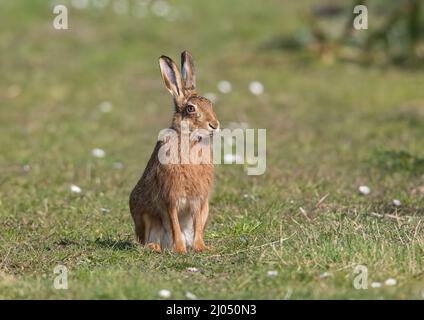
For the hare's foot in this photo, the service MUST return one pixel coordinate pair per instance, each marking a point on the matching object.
(154, 247)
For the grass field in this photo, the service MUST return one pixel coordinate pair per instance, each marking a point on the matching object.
(330, 129)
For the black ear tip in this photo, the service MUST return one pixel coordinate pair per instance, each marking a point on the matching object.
(162, 57)
(166, 60)
(185, 53)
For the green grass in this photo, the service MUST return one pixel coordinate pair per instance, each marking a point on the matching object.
(330, 128)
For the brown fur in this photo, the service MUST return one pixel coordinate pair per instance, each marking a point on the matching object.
(170, 199)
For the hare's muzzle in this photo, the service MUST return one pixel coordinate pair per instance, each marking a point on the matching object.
(213, 126)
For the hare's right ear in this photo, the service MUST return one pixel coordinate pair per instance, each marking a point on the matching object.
(172, 78)
(187, 69)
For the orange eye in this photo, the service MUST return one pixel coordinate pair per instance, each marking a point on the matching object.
(191, 108)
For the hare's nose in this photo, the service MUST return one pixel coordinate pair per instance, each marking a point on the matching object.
(214, 125)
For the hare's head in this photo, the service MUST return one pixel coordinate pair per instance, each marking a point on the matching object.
(191, 108)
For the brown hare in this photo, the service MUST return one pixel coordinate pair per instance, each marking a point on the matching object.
(169, 204)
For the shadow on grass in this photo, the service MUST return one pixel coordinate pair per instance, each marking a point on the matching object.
(119, 245)
(406, 209)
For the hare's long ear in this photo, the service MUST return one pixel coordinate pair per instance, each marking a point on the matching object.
(172, 78)
(187, 69)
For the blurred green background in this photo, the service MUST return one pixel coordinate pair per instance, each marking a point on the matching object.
(340, 112)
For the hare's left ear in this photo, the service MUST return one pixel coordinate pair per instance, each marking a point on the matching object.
(187, 70)
(172, 79)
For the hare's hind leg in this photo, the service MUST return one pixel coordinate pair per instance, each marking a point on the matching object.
(140, 227)
(138, 213)
(154, 230)
(147, 231)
